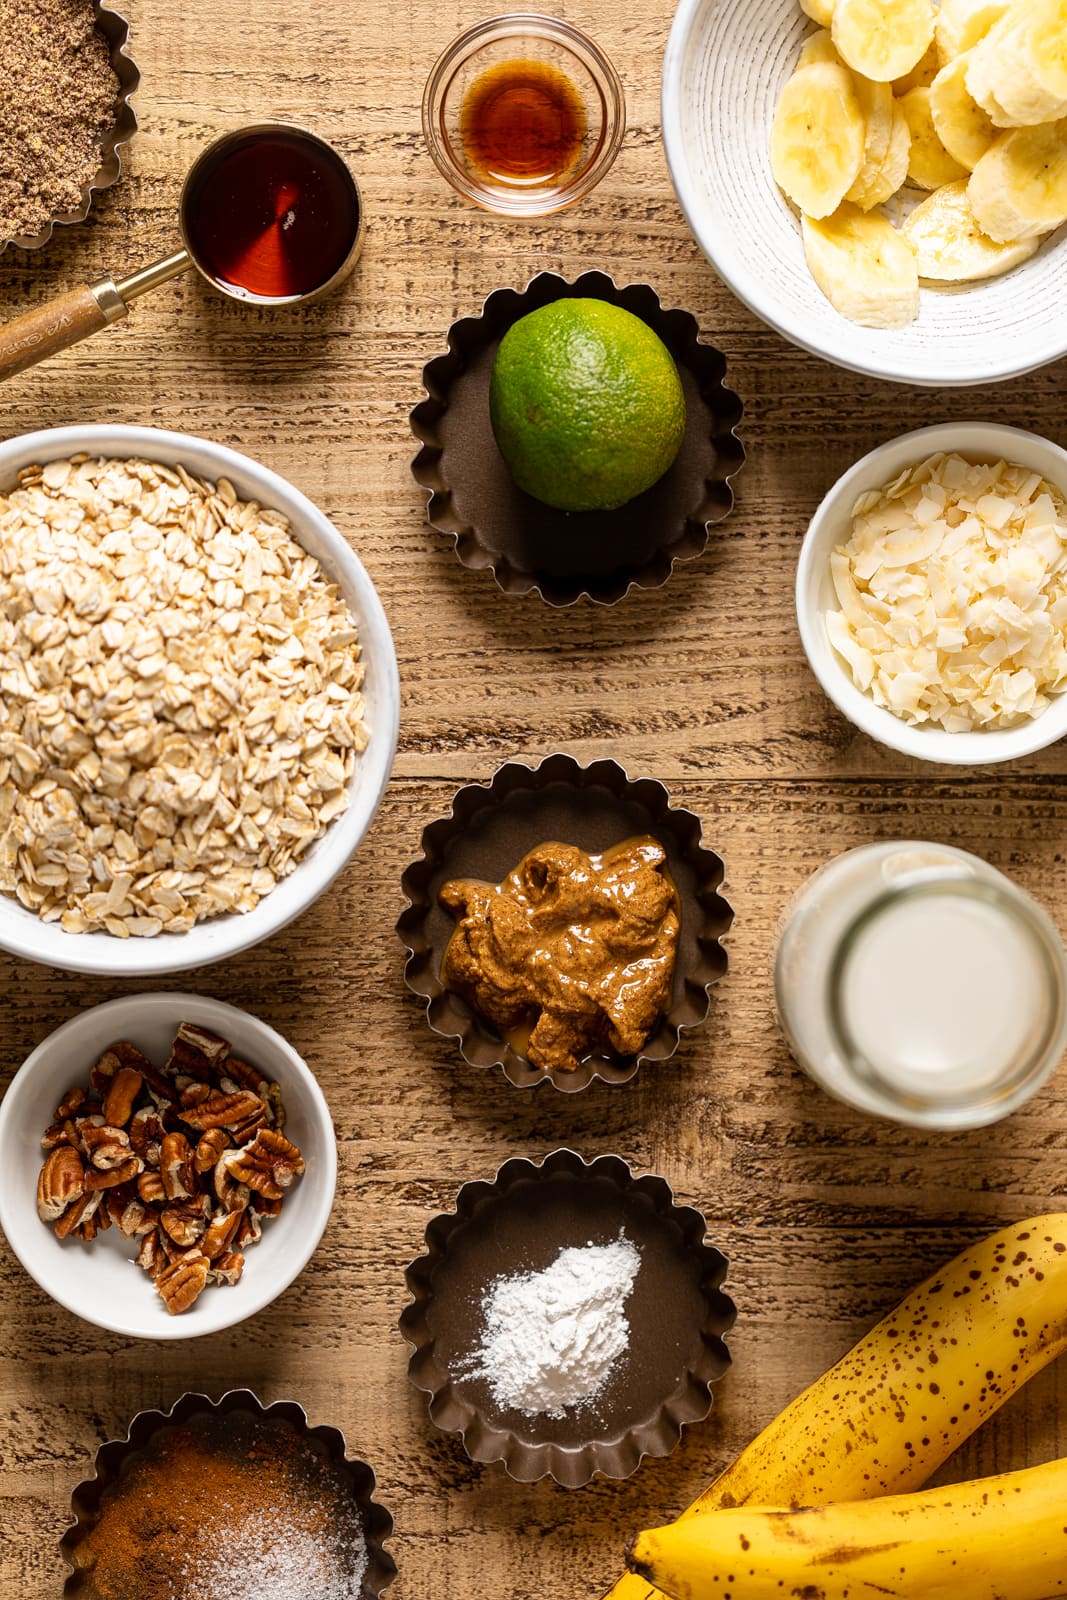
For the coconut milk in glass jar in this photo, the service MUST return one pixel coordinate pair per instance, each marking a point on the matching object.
(917, 982)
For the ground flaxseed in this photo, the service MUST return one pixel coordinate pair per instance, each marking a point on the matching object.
(58, 95)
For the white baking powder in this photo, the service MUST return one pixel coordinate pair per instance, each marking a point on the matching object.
(550, 1339)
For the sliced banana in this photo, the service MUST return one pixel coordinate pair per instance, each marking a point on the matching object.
(1019, 188)
(920, 76)
(817, 138)
(965, 130)
(863, 266)
(877, 184)
(819, 11)
(883, 39)
(1018, 72)
(929, 163)
(818, 47)
(949, 245)
(961, 23)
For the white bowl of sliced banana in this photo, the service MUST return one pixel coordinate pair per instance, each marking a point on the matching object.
(883, 181)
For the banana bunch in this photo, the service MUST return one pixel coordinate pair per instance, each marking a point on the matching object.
(893, 1409)
(971, 98)
(1000, 1537)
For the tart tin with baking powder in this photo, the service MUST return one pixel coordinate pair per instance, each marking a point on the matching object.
(677, 1314)
(116, 30)
(563, 555)
(114, 1458)
(492, 826)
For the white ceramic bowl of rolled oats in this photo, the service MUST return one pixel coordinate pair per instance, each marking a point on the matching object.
(935, 615)
(100, 1279)
(199, 700)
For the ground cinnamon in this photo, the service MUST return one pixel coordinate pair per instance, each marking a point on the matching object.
(232, 1507)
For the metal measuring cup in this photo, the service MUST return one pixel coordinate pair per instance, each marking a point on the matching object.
(80, 312)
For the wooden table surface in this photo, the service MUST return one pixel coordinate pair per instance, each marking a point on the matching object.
(827, 1216)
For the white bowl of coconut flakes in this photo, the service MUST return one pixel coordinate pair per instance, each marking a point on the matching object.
(249, 682)
(944, 642)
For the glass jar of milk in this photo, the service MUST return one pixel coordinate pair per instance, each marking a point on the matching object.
(917, 982)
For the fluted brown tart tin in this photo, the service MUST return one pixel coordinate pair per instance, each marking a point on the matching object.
(116, 30)
(677, 1311)
(118, 1456)
(492, 826)
(529, 546)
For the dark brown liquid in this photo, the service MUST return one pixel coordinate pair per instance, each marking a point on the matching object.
(523, 122)
(274, 217)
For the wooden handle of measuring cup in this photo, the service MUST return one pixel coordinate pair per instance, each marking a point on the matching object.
(57, 325)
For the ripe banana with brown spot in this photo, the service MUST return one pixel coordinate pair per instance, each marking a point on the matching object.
(897, 1405)
(1001, 1538)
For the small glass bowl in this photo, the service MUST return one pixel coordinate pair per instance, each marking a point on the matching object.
(523, 36)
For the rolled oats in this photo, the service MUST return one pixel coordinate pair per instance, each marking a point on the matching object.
(181, 703)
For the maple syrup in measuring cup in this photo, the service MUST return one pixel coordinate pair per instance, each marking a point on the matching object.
(272, 214)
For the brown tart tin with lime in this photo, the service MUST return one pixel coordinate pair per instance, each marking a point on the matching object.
(227, 1500)
(565, 923)
(567, 1318)
(529, 545)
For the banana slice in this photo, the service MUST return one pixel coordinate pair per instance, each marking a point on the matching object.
(1019, 188)
(818, 47)
(949, 245)
(961, 23)
(1018, 72)
(929, 163)
(964, 129)
(817, 138)
(920, 76)
(819, 11)
(883, 39)
(864, 267)
(878, 183)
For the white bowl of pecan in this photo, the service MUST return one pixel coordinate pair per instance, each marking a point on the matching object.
(168, 1165)
(199, 700)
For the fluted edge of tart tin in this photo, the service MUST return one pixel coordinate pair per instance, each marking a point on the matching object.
(116, 30)
(678, 1313)
(496, 527)
(108, 1464)
(490, 827)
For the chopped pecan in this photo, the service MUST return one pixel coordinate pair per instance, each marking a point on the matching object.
(269, 1164)
(70, 1104)
(250, 1232)
(60, 1133)
(122, 1096)
(102, 1073)
(244, 1132)
(183, 1223)
(150, 1188)
(128, 1212)
(221, 1232)
(233, 1195)
(125, 1172)
(128, 1055)
(61, 1181)
(151, 1257)
(268, 1207)
(146, 1134)
(209, 1149)
(242, 1075)
(77, 1215)
(106, 1147)
(181, 1282)
(276, 1105)
(96, 1222)
(197, 1051)
(194, 1094)
(223, 1110)
(227, 1268)
(176, 1167)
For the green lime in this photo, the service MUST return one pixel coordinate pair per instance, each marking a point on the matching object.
(586, 405)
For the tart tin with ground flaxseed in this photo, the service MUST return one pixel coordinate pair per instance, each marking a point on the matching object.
(677, 1311)
(563, 555)
(244, 1431)
(116, 30)
(492, 826)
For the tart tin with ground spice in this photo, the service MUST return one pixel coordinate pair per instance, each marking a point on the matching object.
(563, 555)
(491, 827)
(227, 1500)
(677, 1314)
(51, 165)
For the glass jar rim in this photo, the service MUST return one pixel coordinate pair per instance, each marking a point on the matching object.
(1044, 939)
